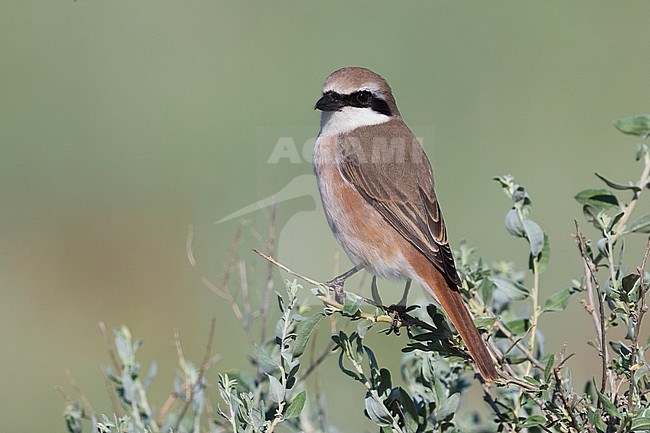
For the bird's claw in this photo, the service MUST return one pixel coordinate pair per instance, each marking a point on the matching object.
(335, 290)
(398, 312)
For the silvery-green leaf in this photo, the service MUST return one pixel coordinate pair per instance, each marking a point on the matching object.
(518, 326)
(513, 224)
(640, 225)
(603, 247)
(351, 304)
(535, 236)
(377, 412)
(533, 421)
(449, 407)
(558, 301)
(641, 424)
(276, 390)
(512, 289)
(609, 407)
(296, 406)
(485, 323)
(151, 374)
(544, 256)
(641, 152)
(549, 366)
(618, 186)
(600, 198)
(304, 332)
(638, 125)
(263, 357)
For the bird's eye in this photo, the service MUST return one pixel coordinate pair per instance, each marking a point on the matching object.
(363, 97)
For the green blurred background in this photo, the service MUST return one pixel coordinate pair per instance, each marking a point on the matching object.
(122, 123)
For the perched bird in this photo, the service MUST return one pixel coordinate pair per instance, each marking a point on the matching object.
(377, 190)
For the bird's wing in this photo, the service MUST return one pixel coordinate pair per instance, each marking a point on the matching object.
(398, 182)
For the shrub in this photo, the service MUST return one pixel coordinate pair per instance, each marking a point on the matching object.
(535, 393)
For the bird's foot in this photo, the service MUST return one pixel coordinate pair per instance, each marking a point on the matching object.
(399, 314)
(335, 290)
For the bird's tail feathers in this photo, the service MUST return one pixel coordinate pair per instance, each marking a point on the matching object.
(453, 304)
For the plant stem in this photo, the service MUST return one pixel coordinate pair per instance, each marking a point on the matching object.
(535, 314)
(637, 317)
(643, 181)
(593, 287)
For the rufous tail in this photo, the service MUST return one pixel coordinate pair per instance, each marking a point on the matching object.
(453, 304)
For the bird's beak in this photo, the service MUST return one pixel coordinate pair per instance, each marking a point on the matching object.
(328, 103)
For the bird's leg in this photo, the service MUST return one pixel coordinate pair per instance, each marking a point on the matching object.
(402, 302)
(336, 284)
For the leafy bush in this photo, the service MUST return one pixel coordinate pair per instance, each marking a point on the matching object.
(535, 393)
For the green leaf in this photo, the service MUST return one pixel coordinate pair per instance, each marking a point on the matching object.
(377, 412)
(628, 282)
(641, 423)
(618, 186)
(485, 323)
(596, 420)
(534, 420)
(640, 225)
(304, 332)
(558, 301)
(486, 288)
(280, 301)
(347, 371)
(384, 381)
(276, 389)
(351, 304)
(296, 406)
(449, 407)
(518, 326)
(512, 289)
(411, 412)
(544, 256)
(535, 236)
(607, 403)
(638, 125)
(513, 224)
(600, 198)
(641, 151)
(264, 357)
(548, 369)
(532, 380)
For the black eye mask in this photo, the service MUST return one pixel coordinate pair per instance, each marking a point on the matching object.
(361, 99)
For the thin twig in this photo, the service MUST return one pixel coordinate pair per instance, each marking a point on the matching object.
(82, 397)
(318, 361)
(325, 299)
(110, 348)
(599, 320)
(204, 365)
(247, 317)
(637, 318)
(268, 288)
(110, 389)
(487, 397)
(560, 392)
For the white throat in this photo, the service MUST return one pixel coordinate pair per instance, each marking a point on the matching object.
(349, 119)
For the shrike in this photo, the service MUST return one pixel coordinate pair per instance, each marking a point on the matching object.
(376, 186)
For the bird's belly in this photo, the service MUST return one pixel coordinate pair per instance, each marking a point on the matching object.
(367, 238)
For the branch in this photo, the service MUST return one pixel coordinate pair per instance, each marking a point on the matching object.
(325, 299)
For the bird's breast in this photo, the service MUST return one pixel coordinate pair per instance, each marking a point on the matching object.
(363, 233)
